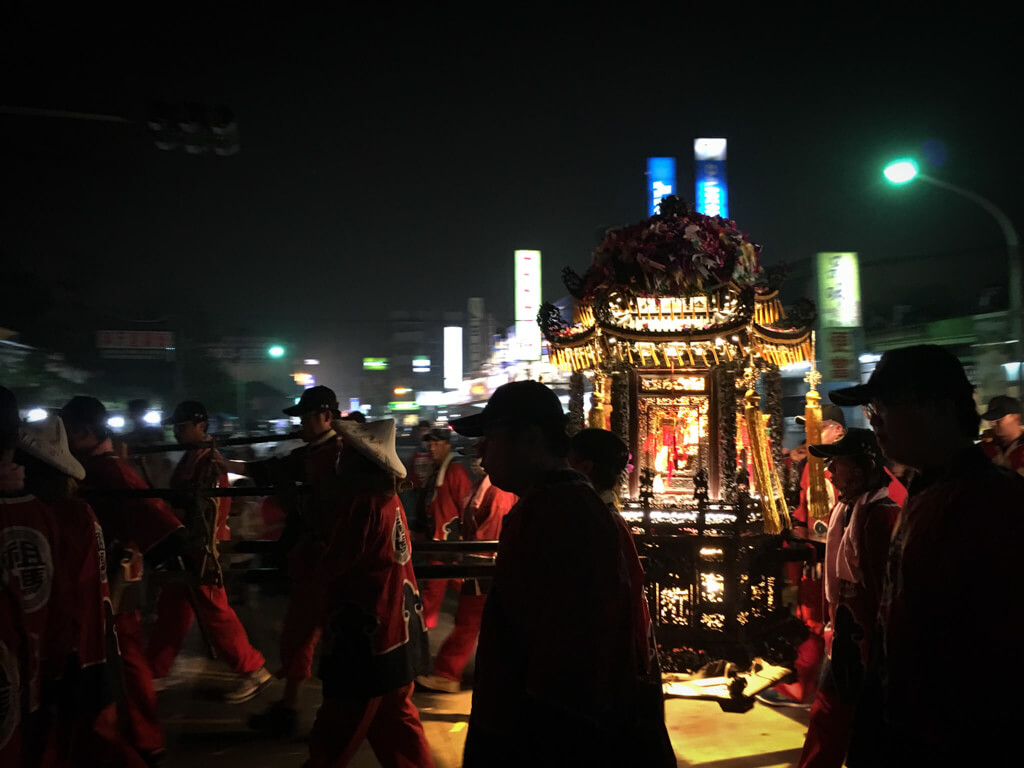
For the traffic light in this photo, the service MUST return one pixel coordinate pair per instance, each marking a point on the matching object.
(196, 128)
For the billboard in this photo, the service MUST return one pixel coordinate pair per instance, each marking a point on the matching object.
(527, 304)
(661, 181)
(838, 290)
(712, 190)
(375, 363)
(452, 357)
(839, 316)
(151, 345)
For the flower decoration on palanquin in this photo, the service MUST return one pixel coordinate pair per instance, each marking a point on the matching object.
(677, 252)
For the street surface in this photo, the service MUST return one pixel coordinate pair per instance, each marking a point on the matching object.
(201, 730)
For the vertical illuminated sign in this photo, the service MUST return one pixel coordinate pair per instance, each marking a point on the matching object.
(452, 356)
(712, 191)
(661, 181)
(527, 304)
(839, 316)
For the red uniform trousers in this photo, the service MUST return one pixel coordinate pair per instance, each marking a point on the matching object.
(432, 591)
(390, 722)
(174, 617)
(301, 631)
(828, 731)
(458, 646)
(811, 652)
(140, 722)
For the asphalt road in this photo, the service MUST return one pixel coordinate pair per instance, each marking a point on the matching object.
(202, 730)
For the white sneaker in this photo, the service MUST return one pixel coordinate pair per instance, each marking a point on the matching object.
(439, 683)
(249, 686)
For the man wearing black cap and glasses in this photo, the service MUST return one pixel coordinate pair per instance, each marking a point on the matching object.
(1006, 448)
(200, 467)
(857, 544)
(564, 646)
(951, 595)
(309, 528)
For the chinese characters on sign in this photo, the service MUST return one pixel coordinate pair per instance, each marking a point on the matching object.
(661, 181)
(712, 191)
(672, 384)
(840, 316)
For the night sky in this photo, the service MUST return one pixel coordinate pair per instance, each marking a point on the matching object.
(396, 162)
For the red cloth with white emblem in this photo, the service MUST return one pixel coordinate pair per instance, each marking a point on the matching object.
(52, 603)
(448, 500)
(376, 637)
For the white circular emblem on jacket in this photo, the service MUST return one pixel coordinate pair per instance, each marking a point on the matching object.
(27, 565)
(400, 541)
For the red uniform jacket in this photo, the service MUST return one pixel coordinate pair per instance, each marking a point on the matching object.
(52, 614)
(952, 588)
(137, 523)
(485, 509)
(376, 636)
(195, 470)
(1011, 457)
(565, 628)
(450, 487)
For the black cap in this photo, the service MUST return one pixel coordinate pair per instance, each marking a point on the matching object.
(999, 406)
(924, 372)
(602, 447)
(829, 412)
(438, 435)
(85, 411)
(520, 402)
(315, 399)
(188, 410)
(357, 416)
(856, 442)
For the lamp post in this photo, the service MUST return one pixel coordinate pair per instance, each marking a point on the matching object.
(905, 170)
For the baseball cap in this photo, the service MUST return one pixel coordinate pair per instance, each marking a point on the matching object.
(519, 402)
(82, 410)
(438, 435)
(315, 399)
(188, 410)
(925, 371)
(829, 412)
(999, 406)
(856, 442)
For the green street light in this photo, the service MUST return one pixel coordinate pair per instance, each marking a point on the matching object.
(900, 171)
(276, 351)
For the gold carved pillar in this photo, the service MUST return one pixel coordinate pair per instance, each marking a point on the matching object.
(601, 403)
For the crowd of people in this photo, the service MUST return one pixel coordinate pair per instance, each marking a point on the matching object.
(915, 586)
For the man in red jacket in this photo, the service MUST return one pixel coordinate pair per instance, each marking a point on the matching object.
(1006, 445)
(447, 491)
(856, 548)
(560, 672)
(484, 512)
(199, 468)
(375, 640)
(311, 519)
(135, 530)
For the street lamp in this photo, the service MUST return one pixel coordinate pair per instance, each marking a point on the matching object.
(276, 351)
(905, 170)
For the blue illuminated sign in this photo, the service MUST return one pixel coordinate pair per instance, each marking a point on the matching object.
(712, 191)
(661, 181)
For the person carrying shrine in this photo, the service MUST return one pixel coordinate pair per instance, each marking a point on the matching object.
(207, 521)
(948, 592)
(137, 532)
(1005, 443)
(856, 547)
(565, 650)
(483, 514)
(447, 490)
(311, 519)
(375, 640)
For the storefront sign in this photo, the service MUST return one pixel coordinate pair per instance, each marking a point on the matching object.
(527, 305)
(712, 190)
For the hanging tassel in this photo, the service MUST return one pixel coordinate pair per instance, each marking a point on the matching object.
(773, 511)
(819, 504)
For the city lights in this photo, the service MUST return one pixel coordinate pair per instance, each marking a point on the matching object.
(276, 351)
(900, 171)
(116, 422)
(37, 414)
(153, 418)
(311, 361)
